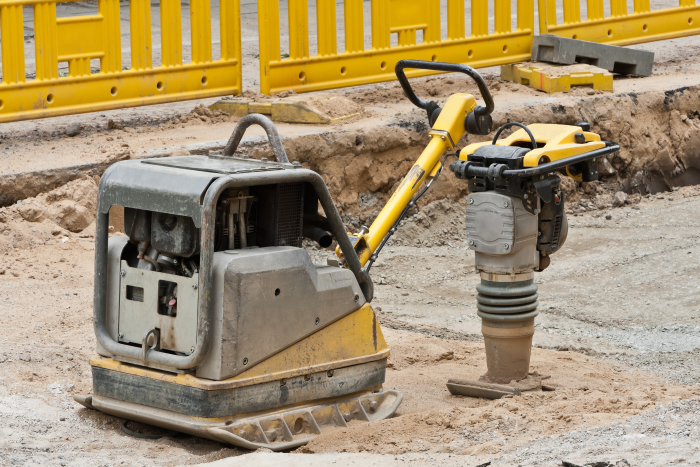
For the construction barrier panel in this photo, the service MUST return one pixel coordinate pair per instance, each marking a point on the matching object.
(329, 69)
(79, 39)
(621, 27)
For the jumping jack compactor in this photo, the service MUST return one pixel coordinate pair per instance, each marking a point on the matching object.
(211, 319)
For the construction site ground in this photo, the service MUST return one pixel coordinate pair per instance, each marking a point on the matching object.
(619, 323)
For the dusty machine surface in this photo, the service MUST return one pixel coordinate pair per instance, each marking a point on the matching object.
(515, 221)
(210, 317)
(515, 215)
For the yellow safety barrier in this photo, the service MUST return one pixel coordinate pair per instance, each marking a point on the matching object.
(79, 39)
(620, 28)
(330, 69)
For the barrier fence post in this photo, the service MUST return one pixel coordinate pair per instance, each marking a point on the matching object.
(45, 48)
(12, 39)
(455, 20)
(84, 41)
(140, 29)
(325, 19)
(332, 69)
(480, 18)
(354, 26)
(620, 27)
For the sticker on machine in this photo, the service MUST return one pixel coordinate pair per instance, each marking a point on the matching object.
(414, 177)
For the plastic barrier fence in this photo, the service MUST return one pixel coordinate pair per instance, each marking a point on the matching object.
(621, 27)
(78, 40)
(330, 69)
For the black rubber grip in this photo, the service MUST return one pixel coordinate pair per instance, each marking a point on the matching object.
(447, 67)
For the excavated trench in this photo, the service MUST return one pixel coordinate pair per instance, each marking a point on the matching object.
(659, 135)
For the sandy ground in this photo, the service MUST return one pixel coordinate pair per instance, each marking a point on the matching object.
(621, 350)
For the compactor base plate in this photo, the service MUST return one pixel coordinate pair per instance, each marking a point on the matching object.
(280, 429)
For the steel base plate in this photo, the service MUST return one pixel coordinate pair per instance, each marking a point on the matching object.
(278, 430)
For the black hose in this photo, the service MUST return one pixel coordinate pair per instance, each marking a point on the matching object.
(411, 203)
(318, 235)
(446, 67)
(155, 264)
(510, 124)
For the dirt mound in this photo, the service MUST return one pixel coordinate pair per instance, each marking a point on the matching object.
(587, 393)
(201, 114)
(72, 206)
(331, 105)
(52, 217)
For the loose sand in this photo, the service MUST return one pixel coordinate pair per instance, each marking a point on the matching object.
(46, 291)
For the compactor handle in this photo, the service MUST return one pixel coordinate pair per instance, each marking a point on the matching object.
(467, 169)
(477, 122)
(270, 129)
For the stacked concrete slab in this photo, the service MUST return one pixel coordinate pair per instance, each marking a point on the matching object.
(563, 51)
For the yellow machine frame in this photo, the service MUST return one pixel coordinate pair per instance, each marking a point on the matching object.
(448, 128)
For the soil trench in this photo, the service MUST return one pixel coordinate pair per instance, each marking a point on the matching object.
(658, 131)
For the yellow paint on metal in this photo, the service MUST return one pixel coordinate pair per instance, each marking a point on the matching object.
(355, 66)
(542, 78)
(81, 39)
(448, 128)
(620, 27)
(558, 142)
(352, 340)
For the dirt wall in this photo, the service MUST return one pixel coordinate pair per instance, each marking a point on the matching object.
(659, 135)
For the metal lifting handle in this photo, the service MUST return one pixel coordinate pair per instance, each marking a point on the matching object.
(465, 169)
(510, 124)
(268, 126)
(448, 67)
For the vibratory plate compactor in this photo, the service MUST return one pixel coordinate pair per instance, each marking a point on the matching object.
(210, 317)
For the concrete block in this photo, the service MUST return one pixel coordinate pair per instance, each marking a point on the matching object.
(555, 49)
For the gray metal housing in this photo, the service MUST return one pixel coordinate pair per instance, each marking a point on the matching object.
(190, 186)
(266, 299)
(502, 233)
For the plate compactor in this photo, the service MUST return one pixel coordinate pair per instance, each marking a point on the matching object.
(211, 319)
